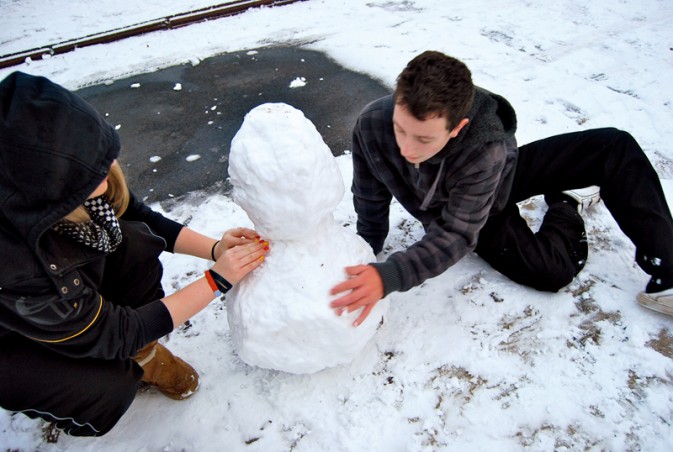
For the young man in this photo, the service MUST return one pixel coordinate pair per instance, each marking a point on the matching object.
(446, 151)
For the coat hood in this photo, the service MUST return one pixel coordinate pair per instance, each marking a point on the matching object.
(492, 118)
(55, 149)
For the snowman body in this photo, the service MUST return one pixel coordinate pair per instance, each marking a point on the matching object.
(287, 181)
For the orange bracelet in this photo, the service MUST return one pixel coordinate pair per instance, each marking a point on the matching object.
(212, 284)
(220, 282)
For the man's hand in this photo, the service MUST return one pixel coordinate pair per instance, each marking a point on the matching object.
(366, 289)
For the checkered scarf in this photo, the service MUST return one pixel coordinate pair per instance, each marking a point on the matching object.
(102, 232)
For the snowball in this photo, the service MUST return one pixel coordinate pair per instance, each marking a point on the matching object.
(298, 82)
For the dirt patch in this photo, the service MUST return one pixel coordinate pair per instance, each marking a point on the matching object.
(663, 343)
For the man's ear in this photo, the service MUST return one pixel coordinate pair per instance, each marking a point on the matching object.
(456, 130)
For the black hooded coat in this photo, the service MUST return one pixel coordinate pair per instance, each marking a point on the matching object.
(55, 150)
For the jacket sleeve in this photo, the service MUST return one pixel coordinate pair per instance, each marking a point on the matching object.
(162, 226)
(449, 237)
(57, 300)
(81, 325)
(371, 198)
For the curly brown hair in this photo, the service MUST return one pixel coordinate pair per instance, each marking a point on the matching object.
(434, 84)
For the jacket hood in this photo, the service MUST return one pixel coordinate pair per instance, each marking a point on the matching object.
(491, 118)
(55, 149)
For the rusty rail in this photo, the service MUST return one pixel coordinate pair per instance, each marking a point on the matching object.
(165, 23)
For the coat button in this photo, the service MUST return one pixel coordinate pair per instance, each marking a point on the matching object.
(76, 281)
(53, 266)
(64, 290)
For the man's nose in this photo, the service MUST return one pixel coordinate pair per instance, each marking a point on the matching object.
(405, 146)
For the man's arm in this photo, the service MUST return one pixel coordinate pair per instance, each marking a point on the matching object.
(454, 233)
(371, 198)
(447, 240)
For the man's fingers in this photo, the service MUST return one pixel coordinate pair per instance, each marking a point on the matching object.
(357, 304)
(341, 302)
(344, 286)
(363, 315)
(355, 270)
(363, 304)
(347, 299)
(358, 299)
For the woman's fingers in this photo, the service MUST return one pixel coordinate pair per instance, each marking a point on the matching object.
(238, 261)
(251, 253)
(240, 236)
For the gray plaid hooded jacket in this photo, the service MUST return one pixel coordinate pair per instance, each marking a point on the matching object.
(452, 194)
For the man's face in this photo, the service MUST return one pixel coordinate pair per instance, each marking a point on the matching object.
(420, 140)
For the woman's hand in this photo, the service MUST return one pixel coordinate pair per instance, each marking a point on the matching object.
(235, 237)
(239, 252)
(239, 260)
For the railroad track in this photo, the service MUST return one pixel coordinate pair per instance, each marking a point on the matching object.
(164, 23)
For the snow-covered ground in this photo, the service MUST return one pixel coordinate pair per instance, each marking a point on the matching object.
(469, 360)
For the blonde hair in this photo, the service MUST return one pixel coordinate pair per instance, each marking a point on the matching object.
(117, 193)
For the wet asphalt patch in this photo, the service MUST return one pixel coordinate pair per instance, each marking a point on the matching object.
(176, 124)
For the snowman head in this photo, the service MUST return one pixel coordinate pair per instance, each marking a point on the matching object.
(284, 175)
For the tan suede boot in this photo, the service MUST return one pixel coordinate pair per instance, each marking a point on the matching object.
(170, 374)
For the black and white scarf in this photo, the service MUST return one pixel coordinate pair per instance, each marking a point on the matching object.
(102, 232)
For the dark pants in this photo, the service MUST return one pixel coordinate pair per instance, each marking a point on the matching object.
(83, 397)
(630, 189)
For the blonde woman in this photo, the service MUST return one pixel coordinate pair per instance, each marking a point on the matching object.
(81, 302)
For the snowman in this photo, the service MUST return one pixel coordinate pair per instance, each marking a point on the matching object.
(287, 181)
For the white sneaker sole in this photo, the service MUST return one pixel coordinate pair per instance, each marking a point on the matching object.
(649, 302)
(586, 198)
